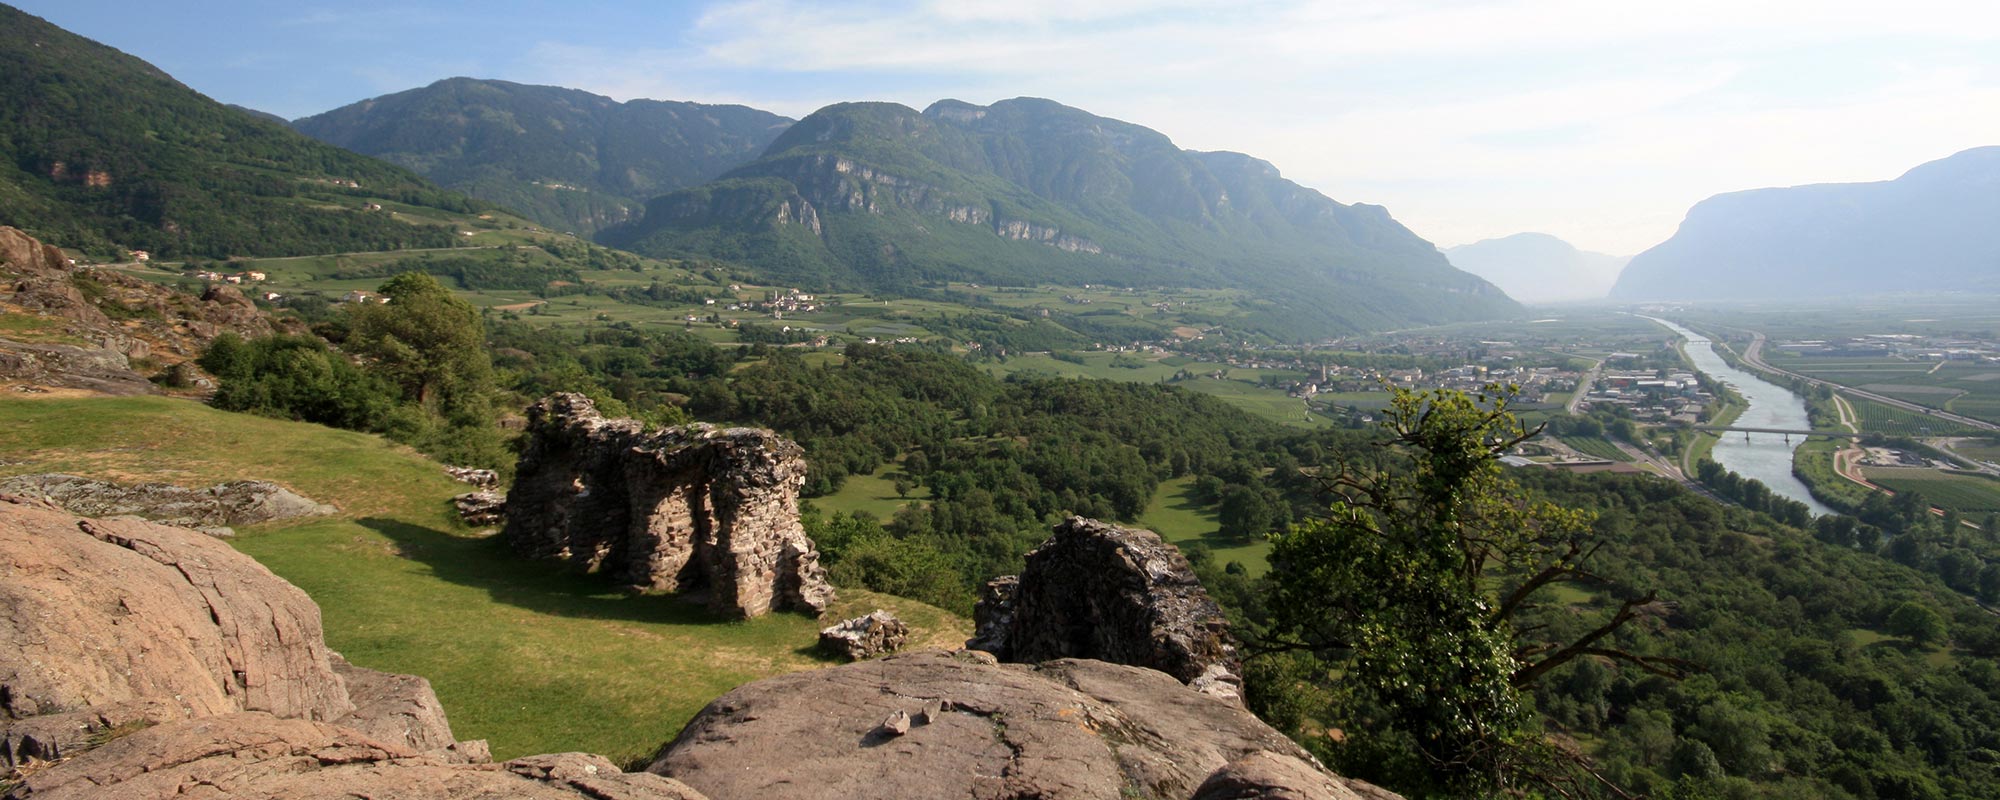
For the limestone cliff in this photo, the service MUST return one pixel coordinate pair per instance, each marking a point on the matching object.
(697, 509)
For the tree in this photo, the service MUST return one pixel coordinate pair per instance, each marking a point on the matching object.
(1917, 623)
(425, 340)
(1408, 588)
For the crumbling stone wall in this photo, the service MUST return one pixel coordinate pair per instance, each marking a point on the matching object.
(696, 509)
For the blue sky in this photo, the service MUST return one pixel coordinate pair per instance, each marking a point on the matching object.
(1599, 122)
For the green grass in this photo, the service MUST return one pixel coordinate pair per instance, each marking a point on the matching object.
(1177, 518)
(874, 494)
(522, 654)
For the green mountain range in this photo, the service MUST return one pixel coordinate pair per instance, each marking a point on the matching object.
(103, 152)
(567, 158)
(1933, 229)
(1026, 191)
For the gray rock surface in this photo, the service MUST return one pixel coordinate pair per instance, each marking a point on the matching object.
(257, 755)
(107, 625)
(1273, 776)
(224, 504)
(694, 509)
(1064, 729)
(878, 633)
(1124, 595)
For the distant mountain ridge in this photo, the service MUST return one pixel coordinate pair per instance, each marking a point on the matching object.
(102, 151)
(1935, 228)
(1024, 191)
(1539, 268)
(565, 157)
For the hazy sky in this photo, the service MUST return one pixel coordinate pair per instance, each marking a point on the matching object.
(1599, 121)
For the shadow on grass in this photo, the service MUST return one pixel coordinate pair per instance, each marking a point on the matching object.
(546, 587)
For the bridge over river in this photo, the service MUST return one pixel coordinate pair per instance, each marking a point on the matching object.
(1788, 432)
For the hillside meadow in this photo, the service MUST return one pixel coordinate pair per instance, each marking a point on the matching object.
(521, 653)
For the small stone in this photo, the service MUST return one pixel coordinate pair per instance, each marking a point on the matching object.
(897, 724)
(932, 710)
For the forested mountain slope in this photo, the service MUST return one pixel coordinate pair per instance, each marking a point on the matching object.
(104, 152)
(1024, 191)
(564, 157)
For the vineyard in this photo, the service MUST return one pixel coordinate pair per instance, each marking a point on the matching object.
(1969, 494)
(1892, 421)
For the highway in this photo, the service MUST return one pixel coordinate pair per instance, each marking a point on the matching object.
(1754, 356)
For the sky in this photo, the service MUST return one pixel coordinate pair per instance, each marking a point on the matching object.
(1599, 121)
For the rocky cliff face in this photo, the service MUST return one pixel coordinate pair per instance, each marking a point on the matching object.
(696, 509)
(1096, 590)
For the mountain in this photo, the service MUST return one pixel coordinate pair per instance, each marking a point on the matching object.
(1538, 268)
(568, 158)
(1931, 229)
(878, 195)
(102, 151)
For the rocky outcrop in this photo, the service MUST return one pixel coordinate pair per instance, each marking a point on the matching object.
(1096, 590)
(693, 509)
(973, 728)
(91, 324)
(254, 754)
(61, 366)
(878, 633)
(110, 624)
(210, 509)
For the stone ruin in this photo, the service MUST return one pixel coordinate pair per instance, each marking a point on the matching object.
(694, 509)
(865, 637)
(1124, 595)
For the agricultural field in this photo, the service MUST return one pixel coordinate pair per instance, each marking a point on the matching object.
(1596, 446)
(1969, 494)
(1891, 421)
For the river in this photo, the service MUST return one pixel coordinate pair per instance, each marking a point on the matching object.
(1767, 457)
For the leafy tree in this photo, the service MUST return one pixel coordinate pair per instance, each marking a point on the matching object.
(1917, 623)
(1408, 590)
(425, 340)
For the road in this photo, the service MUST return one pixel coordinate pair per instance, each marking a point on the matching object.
(1583, 385)
(1754, 356)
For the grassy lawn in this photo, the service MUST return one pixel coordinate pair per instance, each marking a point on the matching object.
(1179, 519)
(874, 494)
(522, 654)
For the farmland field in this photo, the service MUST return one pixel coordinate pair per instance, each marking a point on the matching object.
(1969, 494)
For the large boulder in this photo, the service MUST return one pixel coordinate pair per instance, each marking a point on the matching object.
(113, 624)
(1124, 595)
(258, 755)
(933, 724)
(694, 509)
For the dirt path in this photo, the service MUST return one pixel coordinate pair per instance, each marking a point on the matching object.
(1847, 415)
